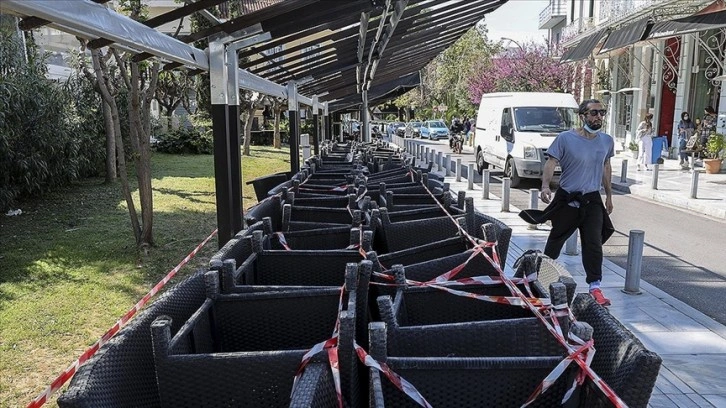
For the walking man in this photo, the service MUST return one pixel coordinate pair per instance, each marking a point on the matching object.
(584, 157)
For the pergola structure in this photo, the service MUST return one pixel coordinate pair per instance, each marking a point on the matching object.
(330, 55)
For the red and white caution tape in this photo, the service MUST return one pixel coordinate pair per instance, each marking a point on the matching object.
(68, 373)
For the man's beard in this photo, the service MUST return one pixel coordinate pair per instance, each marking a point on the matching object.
(594, 126)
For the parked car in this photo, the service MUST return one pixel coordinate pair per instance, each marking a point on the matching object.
(400, 129)
(434, 130)
(413, 129)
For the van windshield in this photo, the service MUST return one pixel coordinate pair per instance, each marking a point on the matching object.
(545, 119)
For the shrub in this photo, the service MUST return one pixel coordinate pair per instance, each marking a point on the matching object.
(186, 141)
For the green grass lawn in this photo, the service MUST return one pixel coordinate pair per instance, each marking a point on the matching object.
(69, 267)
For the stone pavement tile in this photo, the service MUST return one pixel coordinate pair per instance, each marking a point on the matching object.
(672, 319)
(635, 319)
(688, 400)
(669, 383)
(703, 373)
(661, 401)
(718, 401)
(672, 343)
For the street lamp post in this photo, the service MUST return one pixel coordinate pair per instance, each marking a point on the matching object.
(515, 42)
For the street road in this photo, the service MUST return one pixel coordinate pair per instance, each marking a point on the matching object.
(684, 252)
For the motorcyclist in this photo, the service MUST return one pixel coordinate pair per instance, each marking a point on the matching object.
(456, 127)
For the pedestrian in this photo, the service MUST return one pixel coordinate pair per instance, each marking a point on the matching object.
(467, 128)
(584, 155)
(686, 128)
(708, 125)
(645, 134)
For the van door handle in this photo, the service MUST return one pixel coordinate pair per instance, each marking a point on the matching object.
(497, 137)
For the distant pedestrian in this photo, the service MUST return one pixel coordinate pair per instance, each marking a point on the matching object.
(686, 129)
(584, 157)
(472, 131)
(645, 134)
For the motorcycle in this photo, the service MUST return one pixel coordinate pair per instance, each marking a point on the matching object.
(457, 142)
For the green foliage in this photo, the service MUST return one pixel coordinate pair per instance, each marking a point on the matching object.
(633, 146)
(184, 140)
(48, 137)
(715, 146)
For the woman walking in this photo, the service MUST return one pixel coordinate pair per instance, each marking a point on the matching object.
(645, 135)
(686, 129)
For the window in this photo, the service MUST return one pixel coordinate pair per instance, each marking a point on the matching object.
(544, 119)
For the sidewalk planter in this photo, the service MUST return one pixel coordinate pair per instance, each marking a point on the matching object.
(712, 166)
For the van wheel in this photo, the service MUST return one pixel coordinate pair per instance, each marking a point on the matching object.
(480, 163)
(510, 170)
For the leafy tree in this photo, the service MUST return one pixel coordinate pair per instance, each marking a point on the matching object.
(445, 80)
(528, 69)
(172, 90)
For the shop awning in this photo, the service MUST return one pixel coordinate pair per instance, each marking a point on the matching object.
(584, 48)
(627, 35)
(690, 24)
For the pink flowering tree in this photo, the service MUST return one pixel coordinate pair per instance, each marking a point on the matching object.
(531, 69)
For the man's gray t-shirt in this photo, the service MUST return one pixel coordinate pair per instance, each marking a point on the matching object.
(581, 160)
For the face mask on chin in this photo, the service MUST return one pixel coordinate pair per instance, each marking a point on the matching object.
(592, 128)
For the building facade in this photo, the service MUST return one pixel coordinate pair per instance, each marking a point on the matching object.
(662, 57)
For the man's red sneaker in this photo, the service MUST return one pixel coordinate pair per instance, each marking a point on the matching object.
(599, 297)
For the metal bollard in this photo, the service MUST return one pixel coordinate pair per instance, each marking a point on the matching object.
(470, 176)
(439, 160)
(426, 159)
(485, 184)
(431, 155)
(694, 184)
(458, 170)
(654, 180)
(447, 164)
(692, 162)
(635, 261)
(624, 171)
(506, 184)
(571, 244)
(533, 204)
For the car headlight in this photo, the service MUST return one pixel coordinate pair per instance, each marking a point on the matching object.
(530, 152)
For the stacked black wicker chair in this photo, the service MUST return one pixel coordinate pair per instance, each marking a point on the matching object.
(245, 349)
(467, 352)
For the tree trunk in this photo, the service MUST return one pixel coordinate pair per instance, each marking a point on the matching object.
(110, 144)
(276, 142)
(248, 129)
(139, 117)
(120, 155)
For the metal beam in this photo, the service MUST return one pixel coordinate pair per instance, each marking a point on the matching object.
(100, 22)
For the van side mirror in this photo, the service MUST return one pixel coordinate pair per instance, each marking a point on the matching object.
(506, 132)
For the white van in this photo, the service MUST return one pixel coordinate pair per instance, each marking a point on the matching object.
(515, 129)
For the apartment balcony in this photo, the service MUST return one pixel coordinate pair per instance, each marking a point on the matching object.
(577, 27)
(552, 15)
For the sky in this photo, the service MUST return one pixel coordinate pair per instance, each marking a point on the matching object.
(518, 20)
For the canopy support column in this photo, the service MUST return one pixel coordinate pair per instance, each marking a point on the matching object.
(220, 133)
(293, 114)
(365, 133)
(316, 125)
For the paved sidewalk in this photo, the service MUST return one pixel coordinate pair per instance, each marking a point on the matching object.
(692, 345)
(674, 186)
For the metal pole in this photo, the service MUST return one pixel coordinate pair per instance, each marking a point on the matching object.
(439, 160)
(694, 184)
(485, 184)
(624, 171)
(470, 176)
(426, 155)
(447, 164)
(635, 260)
(654, 181)
(571, 244)
(458, 170)
(533, 204)
(506, 183)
